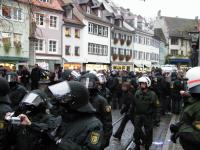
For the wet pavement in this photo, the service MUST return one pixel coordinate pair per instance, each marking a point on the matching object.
(159, 138)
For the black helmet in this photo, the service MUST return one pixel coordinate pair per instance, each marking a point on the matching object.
(4, 87)
(11, 77)
(4, 90)
(89, 80)
(35, 100)
(69, 75)
(73, 94)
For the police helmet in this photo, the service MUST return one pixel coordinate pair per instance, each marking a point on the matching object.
(35, 100)
(73, 94)
(193, 80)
(102, 78)
(145, 80)
(69, 75)
(11, 77)
(89, 80)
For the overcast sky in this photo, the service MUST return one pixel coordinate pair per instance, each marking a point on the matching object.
(173, 8)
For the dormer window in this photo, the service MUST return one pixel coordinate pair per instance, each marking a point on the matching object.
(45, 1)
(99, 13)
(69, 13)
(120, 23)
(88, 10)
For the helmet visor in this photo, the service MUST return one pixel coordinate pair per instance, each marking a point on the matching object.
(60, 89)
(11, 78)
(102, 79)
(32, 99)
(75, 74)
(88, 83)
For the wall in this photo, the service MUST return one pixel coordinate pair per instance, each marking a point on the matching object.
(19, 27)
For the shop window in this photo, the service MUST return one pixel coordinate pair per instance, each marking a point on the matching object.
(39, 45)
(6, 11)
(53, 22)
(67, 32)
(67, 50)
(77, 33)
(77, 51)
(52, 46)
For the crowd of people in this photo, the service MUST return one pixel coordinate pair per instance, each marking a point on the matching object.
(74, 110)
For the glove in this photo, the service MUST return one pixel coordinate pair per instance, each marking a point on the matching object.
(174, 128)
(173, 138)
(122, 112)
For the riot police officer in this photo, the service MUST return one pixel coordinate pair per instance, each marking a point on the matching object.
(100, 104)
(80, 128)
(103, 90)
(5, 106)
(188, 128)
(145, 107)
(17, 91)
(35, 126)
(70, 75)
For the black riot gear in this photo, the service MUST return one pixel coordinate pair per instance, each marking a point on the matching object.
(89, 80)
(69, 75)
(73, 94)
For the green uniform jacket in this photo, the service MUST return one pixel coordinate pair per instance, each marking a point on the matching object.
(190, 121)
(146, 103)
(85, 133)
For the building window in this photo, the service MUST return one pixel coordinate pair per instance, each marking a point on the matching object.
(52, 46)
(67, 50)
(121, 51)
(6, 38)
(135, 54)
(174, 52)
(53, 22)
(67, 32)
(140, 40)
(174, 41)
(97, 49)
(69, 13)
(39, 19)
(128, 52)
(88, 9)
(39, 45)
(77, 33)
(6, 11)
(17, 14)
(99, 13)
(182, 53)
(97, 29)
(45, 1)
(77, 51)
(17, 40)
(182, 42)
(114, 51)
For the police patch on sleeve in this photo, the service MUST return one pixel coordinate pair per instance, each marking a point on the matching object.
(108, 109)
(2, 124)
(94, 138)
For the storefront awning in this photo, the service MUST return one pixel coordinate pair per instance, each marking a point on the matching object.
(13, 59)
(180, 60)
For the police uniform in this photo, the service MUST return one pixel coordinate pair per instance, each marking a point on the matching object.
(146, 106)
(4, 108)
(80, 129)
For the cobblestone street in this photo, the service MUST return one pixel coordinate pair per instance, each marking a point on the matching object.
(161, 139)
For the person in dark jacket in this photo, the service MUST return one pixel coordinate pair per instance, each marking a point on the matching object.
(17, 91)
(5, 107)
(25, 76)
(80, 129)
(112, 85)
(103, 109)
(35, 77)
(35, 127)
(127, 109)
